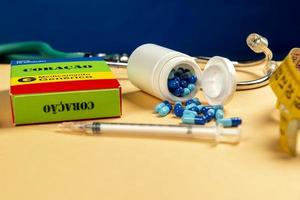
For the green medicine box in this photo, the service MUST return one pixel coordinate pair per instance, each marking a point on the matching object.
(63, 90)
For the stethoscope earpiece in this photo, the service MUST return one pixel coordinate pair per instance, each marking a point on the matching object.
(257, 42)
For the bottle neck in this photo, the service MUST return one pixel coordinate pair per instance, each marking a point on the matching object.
(185, 62)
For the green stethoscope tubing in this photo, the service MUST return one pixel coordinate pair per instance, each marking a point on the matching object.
(33, 50)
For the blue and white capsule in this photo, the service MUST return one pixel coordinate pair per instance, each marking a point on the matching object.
(189, 113)
(186, 92)
(199, 108)
(204, 110)
(159, 106)
(191, 86)
(164, 111)
(210, 114)
(196, 109)
(163, 108)
(179, 92)
(198, 119)
(219, 114)
(189, 106)
(194, 100)
(230, 122)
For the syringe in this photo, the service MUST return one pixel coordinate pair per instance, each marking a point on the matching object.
(213, 133)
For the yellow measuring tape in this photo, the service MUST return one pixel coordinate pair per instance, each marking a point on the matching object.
(285, 83)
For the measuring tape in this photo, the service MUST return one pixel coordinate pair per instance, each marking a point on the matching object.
(285, 82)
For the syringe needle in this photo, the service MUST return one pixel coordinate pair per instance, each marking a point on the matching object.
(215, 133)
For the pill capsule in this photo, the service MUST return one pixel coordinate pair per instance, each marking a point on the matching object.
(204, 110)
(230, 122)
(176, 78)
(209, 116)
(185, 76)
(178, 103)
(211, 111)
(173, 84)
(159, 106)
(191, 86)
(178, 92)
(171, 75)
(199, 108)
(178, 72)
(209, 107)
(198, 119)
(178, 109)
(192, 79)
(179, 82)
(189, 112)
(183, 83)
(168, 105)
(219, 114)
(195, 108)
(162, 104)
(196, 101)
(190, 101)
(186, 92)
(178, 112)
(164, 111)
(189, 106)
(189, 73)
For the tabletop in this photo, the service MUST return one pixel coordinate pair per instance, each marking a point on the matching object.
(37, 162)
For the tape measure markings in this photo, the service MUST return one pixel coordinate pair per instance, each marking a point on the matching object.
(285, 83)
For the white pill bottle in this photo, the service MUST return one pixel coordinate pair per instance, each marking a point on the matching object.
(149, 67)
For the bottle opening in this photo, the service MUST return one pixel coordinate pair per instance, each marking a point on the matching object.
(182, 80)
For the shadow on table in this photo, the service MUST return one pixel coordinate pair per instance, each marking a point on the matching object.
(271, 117)
(141, 99)
(274, 146)
(5, 109)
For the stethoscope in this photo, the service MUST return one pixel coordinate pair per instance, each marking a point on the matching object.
(255, 42)
(41, 50)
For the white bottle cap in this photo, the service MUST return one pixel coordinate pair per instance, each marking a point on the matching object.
(218, 80)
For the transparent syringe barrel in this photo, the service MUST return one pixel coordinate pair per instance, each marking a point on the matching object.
(214, 133)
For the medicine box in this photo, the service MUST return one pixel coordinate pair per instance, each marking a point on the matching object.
(61, 90)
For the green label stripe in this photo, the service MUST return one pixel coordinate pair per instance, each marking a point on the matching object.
(58, 68)
(65, 106)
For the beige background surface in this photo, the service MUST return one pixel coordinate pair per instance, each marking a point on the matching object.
(36, 162)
